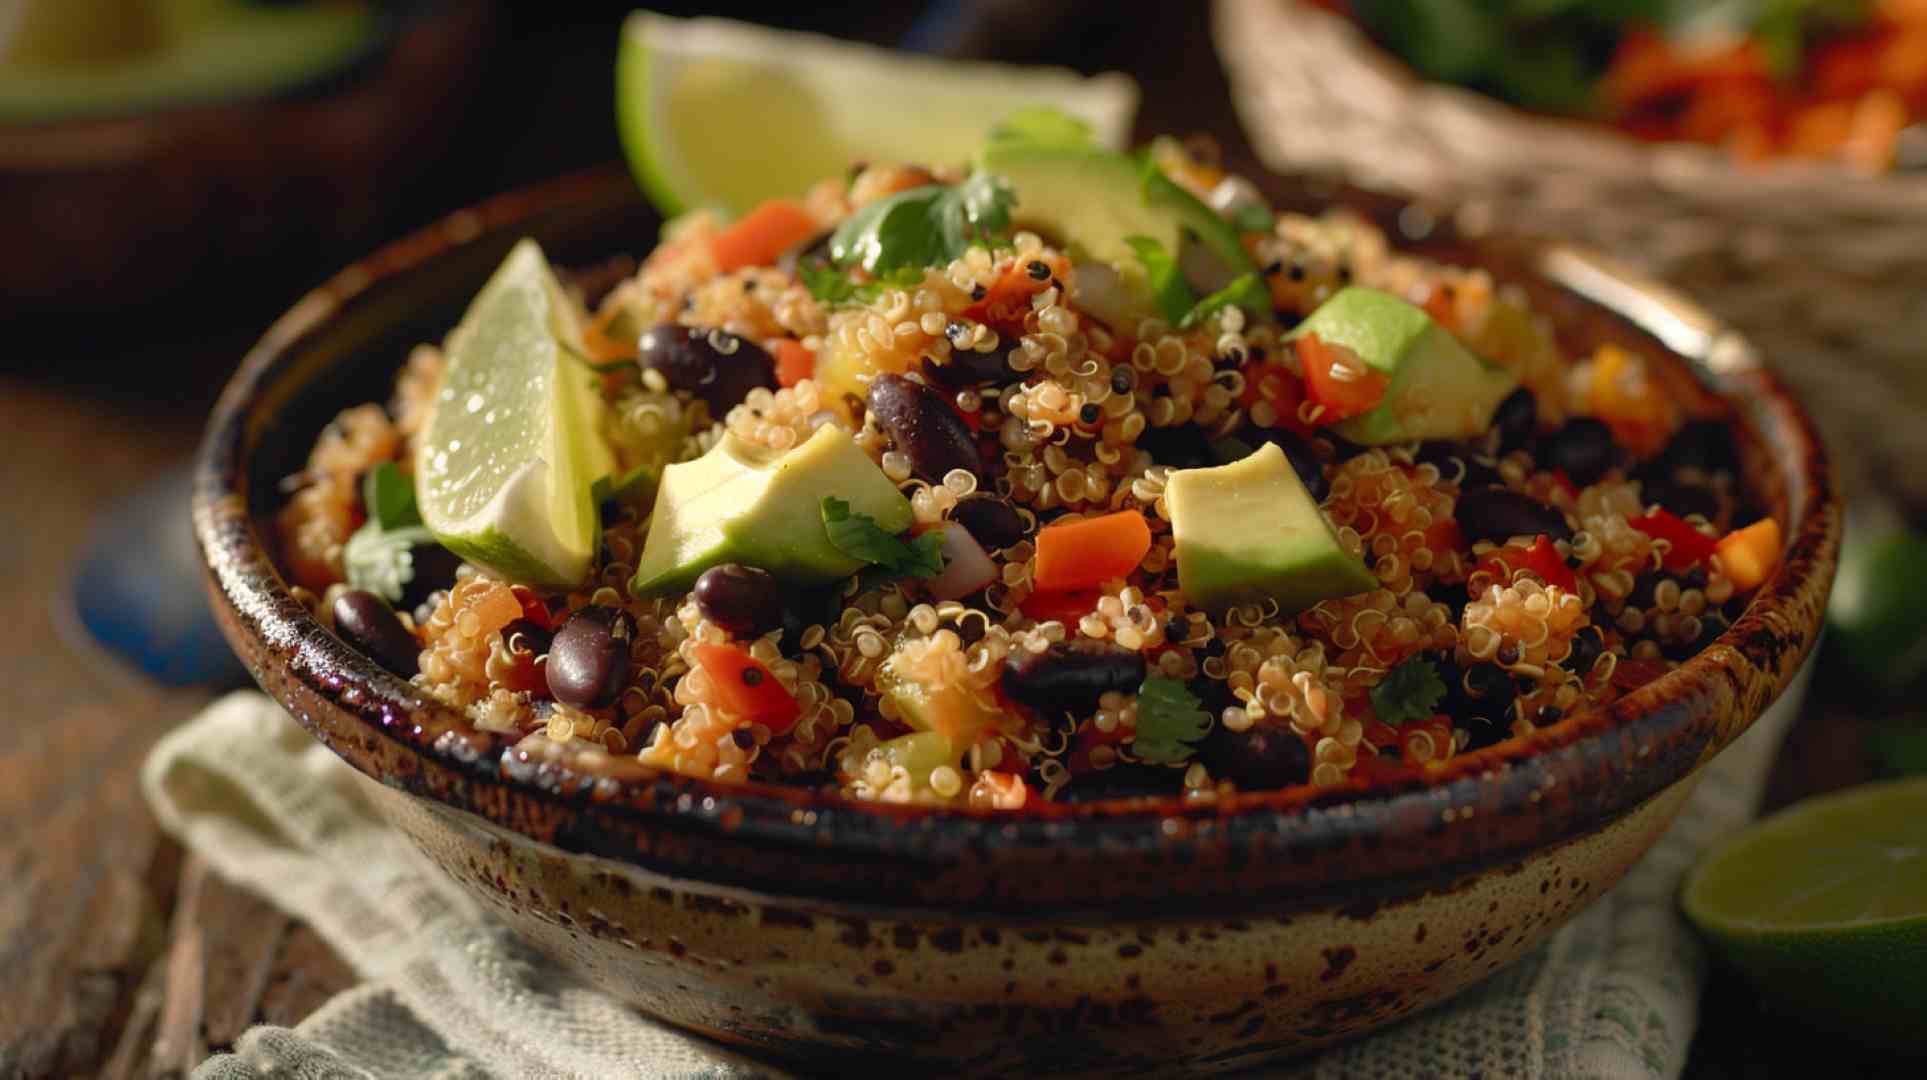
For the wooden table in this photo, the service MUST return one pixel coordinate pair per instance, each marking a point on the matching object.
(126, 957)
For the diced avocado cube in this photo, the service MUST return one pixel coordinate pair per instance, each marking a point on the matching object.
(1092, 201)
(1439, 389)
(1249, 531)
(748, 504)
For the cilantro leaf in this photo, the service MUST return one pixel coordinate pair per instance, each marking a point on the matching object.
(390, 497)
(828, 284)
(1247, 291)
(382, 560)
(1169, 717)
(1408, 692)
(1040, 125)
(860, 537)
(1168, 290)
(924, 226)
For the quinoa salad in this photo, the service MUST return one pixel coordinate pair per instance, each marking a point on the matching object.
(1067, 474)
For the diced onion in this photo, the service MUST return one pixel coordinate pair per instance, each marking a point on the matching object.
(966, 568)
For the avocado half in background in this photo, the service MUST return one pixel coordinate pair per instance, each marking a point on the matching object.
(65, 60)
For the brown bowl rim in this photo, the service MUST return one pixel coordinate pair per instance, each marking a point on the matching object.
(1673, 724)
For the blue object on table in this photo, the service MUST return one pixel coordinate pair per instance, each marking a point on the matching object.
(138, 589)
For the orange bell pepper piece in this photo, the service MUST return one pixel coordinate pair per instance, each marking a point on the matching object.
(1087, 553)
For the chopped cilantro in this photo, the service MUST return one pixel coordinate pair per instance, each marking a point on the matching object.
(1408, 692)
(390, 497)
(828, 284)
(382, 560)
(1247, 291)
(1168, 290)
(860, 537)
(925, 226)
(1169, 717)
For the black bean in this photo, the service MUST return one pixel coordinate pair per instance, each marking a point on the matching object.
(743, 600)
(1452, 596)
(968, 368)
(1516, 420)
(992, 521)
(1488, 693)
(526, 636)
(1702, 444)
(1583, 450)
(804, 608)
(924, 425)
(1181, 446)
(1460, 464)
(434, 569)
(1645, 586)
(1587, 644)
(1497, 513)
(365, 621)
(715, 365)
(1071, 675)
(1257, 758)
(1125, 780)
(1680, 497)
(588, 664)
(1304, 461)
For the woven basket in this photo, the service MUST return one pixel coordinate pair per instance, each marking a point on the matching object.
(1826, 270)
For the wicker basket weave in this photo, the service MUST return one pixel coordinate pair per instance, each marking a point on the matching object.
(1826, 270)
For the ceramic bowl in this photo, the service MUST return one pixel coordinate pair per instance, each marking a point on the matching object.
(1110, 937)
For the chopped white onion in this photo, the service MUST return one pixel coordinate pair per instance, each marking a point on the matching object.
(966, 568)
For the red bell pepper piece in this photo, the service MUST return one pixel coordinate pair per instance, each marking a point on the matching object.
(1688, 545)
(747, 688)
(1543, 559)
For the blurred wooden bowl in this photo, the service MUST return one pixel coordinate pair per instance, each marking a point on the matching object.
(103, 213)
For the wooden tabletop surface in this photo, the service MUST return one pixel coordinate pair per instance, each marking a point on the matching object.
(123, 955)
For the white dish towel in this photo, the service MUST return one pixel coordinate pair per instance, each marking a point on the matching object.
(448, 993)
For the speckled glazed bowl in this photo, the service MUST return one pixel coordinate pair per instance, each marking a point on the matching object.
(1130, 937)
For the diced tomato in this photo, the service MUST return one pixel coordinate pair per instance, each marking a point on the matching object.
(1687, 545)
(534, 609)
(1065, 607)
(1275, 384)
(1445, 534)
(1543, 558)
(1081, 554)
(1007, 300)
(794, 361)
(1337, 386)
(747, 688)
(764, 233)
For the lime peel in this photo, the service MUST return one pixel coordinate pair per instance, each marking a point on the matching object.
(724, 114)
(509, 456)
(1823, 907)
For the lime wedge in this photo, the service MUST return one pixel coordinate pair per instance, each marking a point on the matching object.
(1823, 907)
(505, 465)
(723, 114)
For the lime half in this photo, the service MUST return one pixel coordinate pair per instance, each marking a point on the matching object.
(1823, 907)
(723, 114)
(505, 465)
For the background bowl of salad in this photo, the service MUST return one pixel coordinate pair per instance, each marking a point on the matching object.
(1072, 937)
(1763, 157)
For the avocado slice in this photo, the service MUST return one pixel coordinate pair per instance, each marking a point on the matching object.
(1096, 202)
(745, 503)
(73, 59)
(1439, 389)
(1249, 530)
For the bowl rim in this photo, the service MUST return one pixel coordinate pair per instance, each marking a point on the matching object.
(1732, 679)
